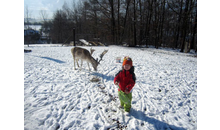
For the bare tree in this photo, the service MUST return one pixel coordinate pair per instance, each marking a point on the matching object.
(27, 16)
(152, 22)
(135, 41)
(44, 15)
(111, 2)
(194, 31)
(185, 26)
(125, 19)
(27, 38)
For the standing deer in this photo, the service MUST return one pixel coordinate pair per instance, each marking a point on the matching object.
(85, 55)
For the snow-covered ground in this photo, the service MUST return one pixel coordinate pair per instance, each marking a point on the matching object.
(57, 97)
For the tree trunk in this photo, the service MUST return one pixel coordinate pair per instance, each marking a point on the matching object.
(125, 20)
(156, 22)
(141, 23)
(149, 16)
(161, 23)
(194, 33)
(118, 35)
(112, 20)
(135, 40)
(185, 25)
(179, 24)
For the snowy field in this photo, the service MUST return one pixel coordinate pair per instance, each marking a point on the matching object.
(57, 97)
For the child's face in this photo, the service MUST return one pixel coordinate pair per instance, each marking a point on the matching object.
(127, 67)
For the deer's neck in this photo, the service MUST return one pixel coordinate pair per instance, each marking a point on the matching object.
(92, 60)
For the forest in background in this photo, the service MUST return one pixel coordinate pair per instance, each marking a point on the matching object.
(161, 23)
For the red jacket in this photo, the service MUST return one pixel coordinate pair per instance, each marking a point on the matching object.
(126, 79)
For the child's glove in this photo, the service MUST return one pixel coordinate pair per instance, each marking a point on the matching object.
(116, 82)
(126, 91)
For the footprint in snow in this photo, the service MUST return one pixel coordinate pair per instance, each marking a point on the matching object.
(79, 96)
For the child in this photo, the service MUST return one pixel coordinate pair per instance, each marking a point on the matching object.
(125, 79)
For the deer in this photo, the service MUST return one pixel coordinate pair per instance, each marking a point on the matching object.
(85, 55)
(91, 52)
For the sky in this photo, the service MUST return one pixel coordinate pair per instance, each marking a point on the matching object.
(50, 6)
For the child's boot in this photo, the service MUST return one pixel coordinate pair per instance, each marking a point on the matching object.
(127, 107)
(121, 106)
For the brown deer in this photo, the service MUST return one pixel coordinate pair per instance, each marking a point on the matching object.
(85, 55)
(91, 52)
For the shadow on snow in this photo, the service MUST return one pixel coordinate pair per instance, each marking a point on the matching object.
(49, 58)
(157, 124)
(106, 77)
(55, 60)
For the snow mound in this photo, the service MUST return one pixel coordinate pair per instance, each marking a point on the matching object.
(84, 42)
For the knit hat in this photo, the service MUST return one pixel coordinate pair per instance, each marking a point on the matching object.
(127, 60)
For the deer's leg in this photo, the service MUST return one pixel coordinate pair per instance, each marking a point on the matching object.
(74, 60)
(81, 64)
(88, 65)
(77, 62)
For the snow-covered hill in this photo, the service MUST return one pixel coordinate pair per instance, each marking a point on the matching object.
(57, 97)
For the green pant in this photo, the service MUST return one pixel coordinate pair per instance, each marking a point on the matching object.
(126, 106)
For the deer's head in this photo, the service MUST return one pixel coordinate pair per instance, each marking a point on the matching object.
(97, 62)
